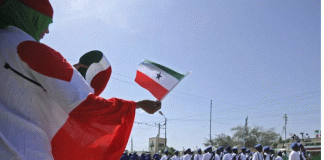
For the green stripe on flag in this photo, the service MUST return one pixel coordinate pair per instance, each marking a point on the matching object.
(89, 58)
(168, 70)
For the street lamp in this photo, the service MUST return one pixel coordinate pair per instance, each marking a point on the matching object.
(165, 141)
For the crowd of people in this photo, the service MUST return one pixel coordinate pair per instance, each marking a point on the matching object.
(226, 153)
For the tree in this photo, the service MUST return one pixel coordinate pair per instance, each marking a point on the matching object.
(253, 136)
(281, 141)
(170, 150)
(220, 140)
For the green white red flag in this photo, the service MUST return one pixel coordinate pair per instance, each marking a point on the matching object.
(157, 79)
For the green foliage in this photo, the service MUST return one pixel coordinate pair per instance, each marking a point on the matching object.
(274, 145)
(253, 136)
(170, 150)
(220, 140)
(317, 157)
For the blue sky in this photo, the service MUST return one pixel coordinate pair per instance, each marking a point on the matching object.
(252, 58)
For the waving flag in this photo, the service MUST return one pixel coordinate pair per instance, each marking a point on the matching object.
(98, 73)
(157, 79)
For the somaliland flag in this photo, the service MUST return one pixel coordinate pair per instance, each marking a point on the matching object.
(157, 79)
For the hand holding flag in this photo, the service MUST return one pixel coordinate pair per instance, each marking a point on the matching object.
(149, 106)
(157, 79)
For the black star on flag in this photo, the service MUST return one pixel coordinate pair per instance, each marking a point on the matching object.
(158, 75)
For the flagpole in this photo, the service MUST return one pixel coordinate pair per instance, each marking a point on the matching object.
(175, 85)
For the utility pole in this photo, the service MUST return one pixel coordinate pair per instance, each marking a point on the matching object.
(157, 140)
(211, 104)
(132, 144)
(165, 140)
(285, 126)
(158, 136)
(245, 128)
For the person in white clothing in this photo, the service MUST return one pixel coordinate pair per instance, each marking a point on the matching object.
(166, 156)
(235, 153)
(188, 155)
(242, 155)
(207, 154)
(257, 155)
(252, 153)
(192, 155)
(272, 154)
(279, 157)
(267, 154)
(228, 153)
(184, 154)
(221, 149)
(176, 156)
(294, 155)
(302, 152)
(217, 154)
(248, 155)
(198, 156)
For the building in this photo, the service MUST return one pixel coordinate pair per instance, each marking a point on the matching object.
(312, 146)
(155, 144)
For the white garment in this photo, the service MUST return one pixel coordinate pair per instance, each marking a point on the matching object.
(217, 157)
(242, 156)
(302, 154)
(187, 157)
(294, 155)
(175, 157)
(182, 157)
(227, 156)
(234, 155)
(248, 156)
(165, 157)
(206, 156)
(278, 158)
(221, 155)
(267, 156)
(30, 117)
(257, 156)
(198, 157)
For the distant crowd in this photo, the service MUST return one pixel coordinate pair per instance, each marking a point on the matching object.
(226, 153)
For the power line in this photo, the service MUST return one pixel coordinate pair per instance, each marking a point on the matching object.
(196, 96)
(296, 113)
(253, 117)
(253, 106)
(143, 123)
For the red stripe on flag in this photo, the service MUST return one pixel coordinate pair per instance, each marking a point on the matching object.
(148, 83)
(100, 81)
(96, 129)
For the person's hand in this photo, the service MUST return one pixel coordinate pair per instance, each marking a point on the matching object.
(149, 106)
(78, 65)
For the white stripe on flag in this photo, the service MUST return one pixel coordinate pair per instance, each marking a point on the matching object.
(95, 68)
(167, 81)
